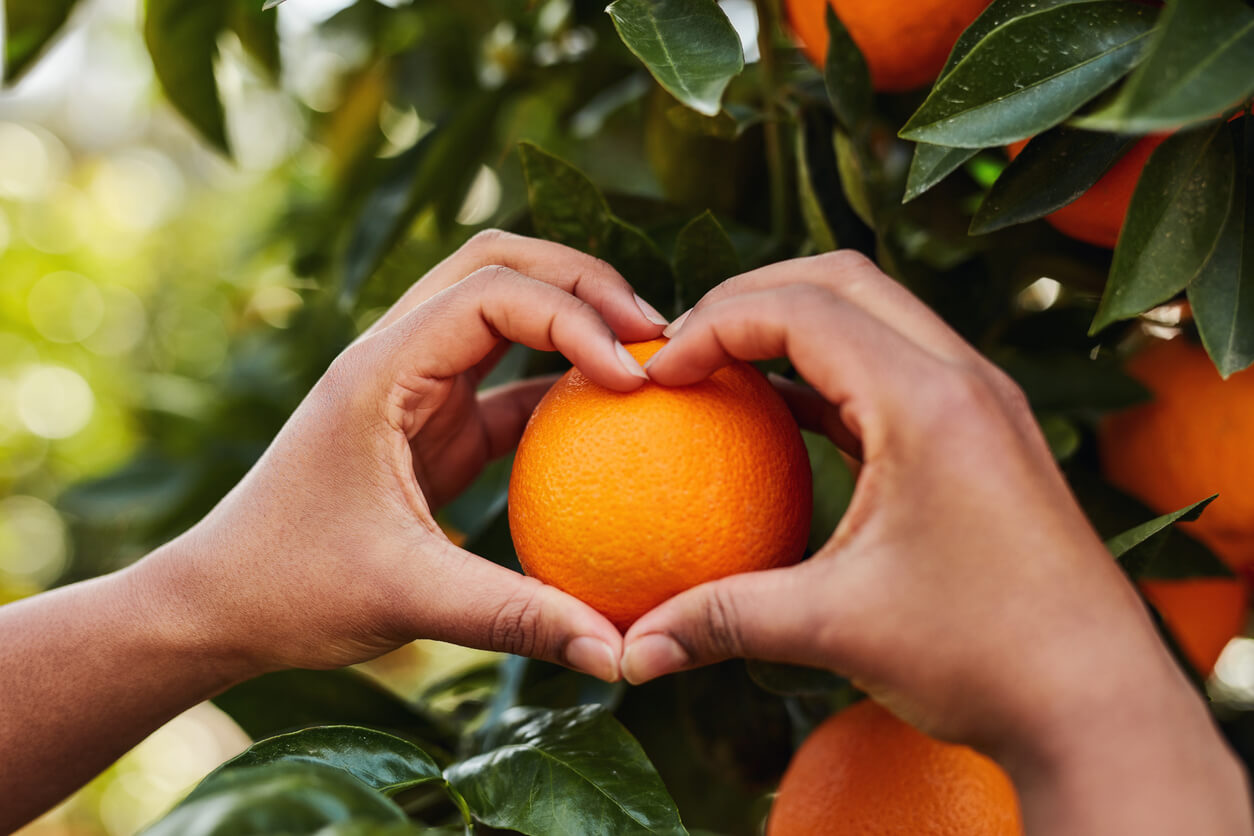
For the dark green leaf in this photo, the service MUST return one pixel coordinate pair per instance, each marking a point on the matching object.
(570, 771)
(293, 699)
(1177, 212)
(436, 172)
(932, 164)
(366, 827)
(1054, 169)
(1031, 73)
(381, 761)
(729, 124)
(182, 38)
(704, 256)
(847, 77)
(286, 798)
(1073, 382)
(813, 214)
(1061, 434)
(257, 31)
(1198, 65)
(855, 179)
(1121, 544)
(794, 680)
(1222, 295)
(833, 488)
(689, 46)
(567, 208)
(29, 25)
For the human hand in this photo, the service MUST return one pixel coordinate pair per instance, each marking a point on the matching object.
(964, 588)
(328, 553)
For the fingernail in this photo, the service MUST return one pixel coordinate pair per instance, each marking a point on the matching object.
(629, 362)
(651, 656)
(674, 327)
(593, 657)
(650, 312)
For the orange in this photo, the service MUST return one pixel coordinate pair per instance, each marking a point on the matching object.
(624, 500)
(1097, 215)
(905, 43)
(1196, 438)
(1201, 613)
(865, 772)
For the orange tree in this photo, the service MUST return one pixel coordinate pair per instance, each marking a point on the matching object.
(683, 148)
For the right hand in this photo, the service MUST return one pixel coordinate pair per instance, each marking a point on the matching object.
(964, 588)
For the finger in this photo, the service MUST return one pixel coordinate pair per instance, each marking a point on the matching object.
(506, 409)
(768, 615)
(865, 369)
(580, 274)
(857, 280)
(815, 414)
(482, 605)
(459, 327)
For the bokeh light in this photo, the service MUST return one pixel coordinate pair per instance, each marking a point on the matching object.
(33, 543)
(53, 401)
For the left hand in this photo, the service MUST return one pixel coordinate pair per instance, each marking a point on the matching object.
(328, 552)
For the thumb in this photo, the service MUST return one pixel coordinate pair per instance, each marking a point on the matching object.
(490, 607)
(775, 615)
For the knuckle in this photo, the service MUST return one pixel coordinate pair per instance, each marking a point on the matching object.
(721, 625)
(515, 627)
(489, 239)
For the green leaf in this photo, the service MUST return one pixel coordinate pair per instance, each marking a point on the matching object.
(182, 38)
(381, 761)
(567, 208)
(282, 798)
(258, 33)
(570, 771)
(366, 827)
(854, 178)
(833, 487)
(1031, 73)
(434, 173)
(812, 213)
(847, 77)
(1053, 169)
(689, 46)
(1057, 382)
(29, 25)
(794, 680)
(293, 699)
(1121, 544)
(932, 164)
(704, 256)
(1177, 212)
(1198, 65)
(1061, 434)
(1222, 295)
(729, 124)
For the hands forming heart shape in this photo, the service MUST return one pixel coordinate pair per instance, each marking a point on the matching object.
(964, 588)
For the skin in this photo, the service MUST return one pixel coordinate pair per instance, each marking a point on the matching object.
(964, 588)
(989, 615)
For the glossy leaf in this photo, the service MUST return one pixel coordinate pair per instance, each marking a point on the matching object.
(257, 30)
(932, 164)
(567, 208)
(1222, 295)
(293, 699)
(1032, 73)
(689, 46)
(1138, 546)
(570, 771)
(998, 13)
(1177, 212)
(381, 761)
(1198, 65)
(854, 178)
(704, 256)
(1053, 169)
(29, 25)
(847, 77)
(288, 798)
(182, 38)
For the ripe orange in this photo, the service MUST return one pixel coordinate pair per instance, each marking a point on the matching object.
(865, 772)
(1202, 614)
(905, 43)
(1196, 438)
(624, 500)
(1097, 215)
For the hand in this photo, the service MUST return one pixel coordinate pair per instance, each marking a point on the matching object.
(327, 553)
(964, 587)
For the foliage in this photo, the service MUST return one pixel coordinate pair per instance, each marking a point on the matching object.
(649, 137)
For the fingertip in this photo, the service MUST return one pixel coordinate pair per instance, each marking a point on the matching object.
(592, 656)
(652, 655)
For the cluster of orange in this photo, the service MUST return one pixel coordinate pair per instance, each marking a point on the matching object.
(593, 466)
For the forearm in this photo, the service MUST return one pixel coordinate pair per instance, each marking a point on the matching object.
(86, 672)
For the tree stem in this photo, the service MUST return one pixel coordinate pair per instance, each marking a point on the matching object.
(776, 158)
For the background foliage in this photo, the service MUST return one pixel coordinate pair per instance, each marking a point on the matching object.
(168, 300)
